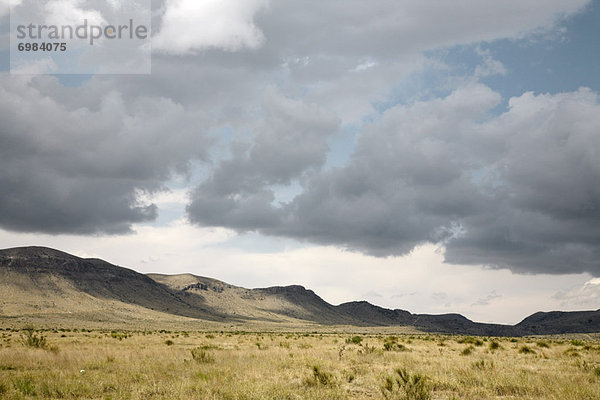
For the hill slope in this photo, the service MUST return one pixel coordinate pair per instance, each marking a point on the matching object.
(37, 281)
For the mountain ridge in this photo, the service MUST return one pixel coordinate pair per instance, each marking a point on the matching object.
(42, 281)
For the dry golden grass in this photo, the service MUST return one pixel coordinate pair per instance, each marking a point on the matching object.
(239, 365)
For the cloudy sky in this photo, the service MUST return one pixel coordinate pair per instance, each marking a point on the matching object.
(431, 156)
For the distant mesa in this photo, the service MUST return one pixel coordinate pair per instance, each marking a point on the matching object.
(41, 283)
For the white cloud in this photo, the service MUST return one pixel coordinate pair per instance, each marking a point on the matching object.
(586, 296)
(71, 12)
(191, 26)
(5, 6)
(35, 67)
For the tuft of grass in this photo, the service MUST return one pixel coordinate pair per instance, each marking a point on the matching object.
(543, 343)
(577, 342)
(25, 386)
(482, 365)
(169, 342)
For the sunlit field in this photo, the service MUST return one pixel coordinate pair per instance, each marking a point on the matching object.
(75, 364)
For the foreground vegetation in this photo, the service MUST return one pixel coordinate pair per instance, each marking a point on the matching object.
(65, 364)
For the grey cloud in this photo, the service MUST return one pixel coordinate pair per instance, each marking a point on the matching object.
(80, 170)
(517, 191)
(440, 171)
(385, 28)
(292, 141)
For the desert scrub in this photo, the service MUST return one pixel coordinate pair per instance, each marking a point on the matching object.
(471, 340)
(202, 355)
(355, 340)
(391, 344)
(320, 377)
(526, 350)
(406, 386)
(494, 345)
(467, 351)
(30, 338)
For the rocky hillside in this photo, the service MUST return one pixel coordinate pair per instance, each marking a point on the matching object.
(38, 281)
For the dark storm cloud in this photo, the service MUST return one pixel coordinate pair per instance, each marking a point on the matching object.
(519, 190)
(78, 169)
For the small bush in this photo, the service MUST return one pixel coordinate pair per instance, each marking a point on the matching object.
(169, 342)
(30, 338)
(321, 377)
(576, 342)
(391, 344)
(543, 344)
(494, 345)
(467, 351)
(369, 349)
(572, 352)
(117, 335)
(355, 340)
(471, 340)
(526, 350)
(406, 386)
(202, 356)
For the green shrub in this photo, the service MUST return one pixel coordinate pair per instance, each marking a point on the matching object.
(30, 338)
(391, 344)
(321, 377)
(576, 342)
(471, 340)
(355, 340)
(117, 335)
(202, 356)
(526, 350)
(405, 386)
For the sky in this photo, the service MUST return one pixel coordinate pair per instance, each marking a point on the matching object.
(429, 156)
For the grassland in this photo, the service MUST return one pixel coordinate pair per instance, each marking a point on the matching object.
(102, 364)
